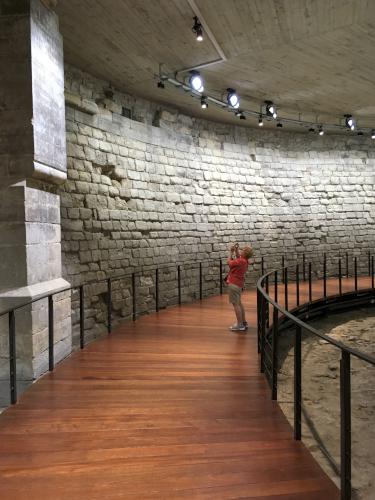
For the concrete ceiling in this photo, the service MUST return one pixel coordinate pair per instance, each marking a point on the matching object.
(314, 58)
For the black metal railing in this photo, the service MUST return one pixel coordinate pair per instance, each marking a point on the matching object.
(216, 279)
(283, 317)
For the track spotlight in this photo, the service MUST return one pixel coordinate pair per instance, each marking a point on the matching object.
(232, 98)
(161, 84)
(238, 113)
(321, 131)
(197, 29)
(373, 134)
(242, 116)
(204, 102)
(360, 132)
(350, 122)
(196, 81)
(311, 129)
(271, 109)
(279, 124)
(260, 121)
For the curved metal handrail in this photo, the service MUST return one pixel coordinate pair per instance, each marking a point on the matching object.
(305, 326)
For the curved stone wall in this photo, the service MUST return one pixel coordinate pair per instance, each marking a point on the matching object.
(159, 187)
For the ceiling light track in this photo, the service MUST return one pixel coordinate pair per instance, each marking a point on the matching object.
(261, 117)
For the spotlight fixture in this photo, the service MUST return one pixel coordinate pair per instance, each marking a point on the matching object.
(161, 84)
(204, 102)
(271, 109)
(260, 121)
(373, 134)
(279, 124)
(321, 131)
(196, 81)
(232, 99)
(197, 29)
(242, 116)
(311, 129)
(238, 113)
(360, 132)
(349, 122)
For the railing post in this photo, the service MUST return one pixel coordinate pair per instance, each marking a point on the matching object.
(200, 281)
(310, 283)
(369, 264)
(81, 317)
(286, 287)
(340, 278)
(262, 266)
(345, 426)
(355, 274)
(372, 271)
(347, 264)
(267, 303)
(258, 321)
(134, 297)
(12, 358)
(297, 384)
(297, 283)
(275, 331)
(283, 269)
(221, 276)
(157, 290)
(325, 276)
(50, 333)
(179, 284)
(276, 286)
(304, 267)
(109, 305)
(263, 334)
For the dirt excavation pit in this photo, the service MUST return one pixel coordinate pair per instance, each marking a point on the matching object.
(321, 394)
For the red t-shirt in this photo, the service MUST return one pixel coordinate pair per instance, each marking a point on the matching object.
(237, 271)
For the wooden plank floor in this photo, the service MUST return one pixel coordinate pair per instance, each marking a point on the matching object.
(170, 407)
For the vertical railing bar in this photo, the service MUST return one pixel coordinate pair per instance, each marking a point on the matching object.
(310, 283)
(109, 305)
(134, 298)
(263, 334)
(355, 274)
(50, 334)
(283, 269)
(297, 384)
(200, 281)
(340, 278)
(325, 276)
(297, 283)
(286, 287)
(157, 289)
(258, 322)
(221, 276)
(304, 267)
(369, 263)
(372, 271)
(345, 425)
(347, 264)
(179, 284)
(276, 286)
(81, 318)
(267, 305)
(262, 266)
(274, 352)
(12, 358)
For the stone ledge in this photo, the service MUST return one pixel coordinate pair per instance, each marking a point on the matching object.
(18, 296)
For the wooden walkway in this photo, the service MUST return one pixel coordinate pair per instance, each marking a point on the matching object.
(170, 407)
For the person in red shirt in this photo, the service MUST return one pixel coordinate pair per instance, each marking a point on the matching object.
(238, 262)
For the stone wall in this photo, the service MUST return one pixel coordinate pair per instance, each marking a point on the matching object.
(160, 187)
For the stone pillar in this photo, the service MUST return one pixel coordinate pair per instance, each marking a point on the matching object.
(32, 162)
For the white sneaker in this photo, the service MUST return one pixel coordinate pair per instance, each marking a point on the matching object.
(237, 328)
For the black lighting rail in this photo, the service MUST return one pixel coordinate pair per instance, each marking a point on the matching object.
(268, 333)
